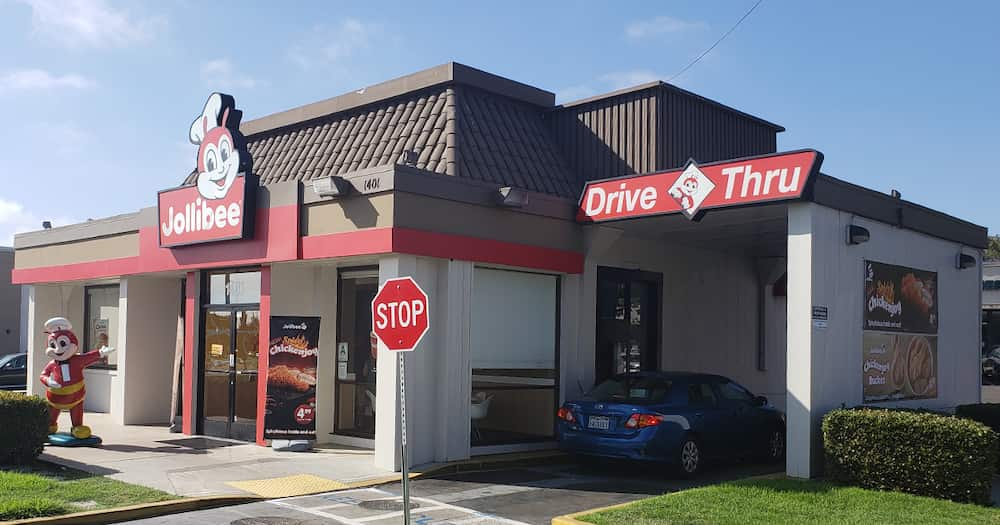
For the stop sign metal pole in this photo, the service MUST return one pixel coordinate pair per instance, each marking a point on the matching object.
(401, 356)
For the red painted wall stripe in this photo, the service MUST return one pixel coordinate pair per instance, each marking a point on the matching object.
(361, 242)
(190, 315)
(263, 343)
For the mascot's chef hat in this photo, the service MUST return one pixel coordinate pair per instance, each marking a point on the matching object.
(57, 324)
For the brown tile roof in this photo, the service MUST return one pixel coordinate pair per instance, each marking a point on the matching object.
(364, 138)
(454, 130)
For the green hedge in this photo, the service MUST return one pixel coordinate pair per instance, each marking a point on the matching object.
(985, 413)
(24, 427)
(908, 451)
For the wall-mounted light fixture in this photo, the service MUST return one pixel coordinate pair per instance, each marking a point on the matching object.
(512, 197)
(964, 261)
(332, 186)
(46, 225)
(857, 234)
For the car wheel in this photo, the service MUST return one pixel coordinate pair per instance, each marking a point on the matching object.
(690, 458)
(776, 445)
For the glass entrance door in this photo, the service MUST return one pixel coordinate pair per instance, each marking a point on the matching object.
(628, 322)
(356, 354)
(229, 392)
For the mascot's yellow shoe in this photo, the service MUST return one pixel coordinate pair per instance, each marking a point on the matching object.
(53, 429)
(81, 432)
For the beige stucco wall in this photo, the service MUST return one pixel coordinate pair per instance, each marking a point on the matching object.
(487, 222)
(348, 214)
(111, 247)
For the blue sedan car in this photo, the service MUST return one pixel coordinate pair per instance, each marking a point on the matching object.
(672, 417)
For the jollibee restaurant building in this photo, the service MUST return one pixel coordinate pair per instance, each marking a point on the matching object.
(647, 228)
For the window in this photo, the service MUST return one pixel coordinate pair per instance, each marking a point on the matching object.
(515, 327)
(635, 390)
(730, 391)
(238, 287)
(101, 312)
(701, 394)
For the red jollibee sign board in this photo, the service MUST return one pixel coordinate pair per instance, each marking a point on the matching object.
(696, 188)
(399, 314)
(220, 205)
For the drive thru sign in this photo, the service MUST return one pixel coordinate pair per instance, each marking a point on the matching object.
(399, 314)
(399, 319)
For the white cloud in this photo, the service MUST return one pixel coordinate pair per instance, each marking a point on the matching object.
(33, 79)
(15, 219)
(63, 138)
(332, 45)
(222, 74)
(91, 23)
(661, 25)
(607, 82)
(623, 79)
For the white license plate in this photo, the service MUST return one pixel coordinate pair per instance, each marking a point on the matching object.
(599, 422)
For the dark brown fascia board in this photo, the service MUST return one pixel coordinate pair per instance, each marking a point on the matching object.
(406, 179)
(106, 227)
(842, 195)
(663, 85)
(449, 73)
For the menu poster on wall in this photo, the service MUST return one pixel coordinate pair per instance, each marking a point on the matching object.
(900, 299)
(899, 366)
(291, 378)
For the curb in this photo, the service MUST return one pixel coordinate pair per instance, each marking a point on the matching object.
(139, 511)
(570, 519)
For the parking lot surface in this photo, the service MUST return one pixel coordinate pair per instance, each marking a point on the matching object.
(523, 495)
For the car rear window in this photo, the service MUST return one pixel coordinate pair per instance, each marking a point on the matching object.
(636, 390)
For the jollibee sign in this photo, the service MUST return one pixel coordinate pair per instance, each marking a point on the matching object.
(697, 188)
(221, 205)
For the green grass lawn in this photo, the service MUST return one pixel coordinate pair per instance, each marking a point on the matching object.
(779, 501)
(48, 490)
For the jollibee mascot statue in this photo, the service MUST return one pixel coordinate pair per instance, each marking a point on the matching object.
(63, 380)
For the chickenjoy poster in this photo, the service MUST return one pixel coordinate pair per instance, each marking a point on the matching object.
(900, 351)
(291, 378)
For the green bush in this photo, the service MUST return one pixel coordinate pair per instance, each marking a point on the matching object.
(909, 451)
(24, 427)
(985, 413)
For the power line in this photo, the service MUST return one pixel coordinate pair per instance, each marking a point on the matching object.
(717, 42)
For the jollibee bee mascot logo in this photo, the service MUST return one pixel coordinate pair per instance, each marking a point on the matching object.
(63, 376)
(221, 148)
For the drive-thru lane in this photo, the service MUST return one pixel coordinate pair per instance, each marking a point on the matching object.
(522, 495)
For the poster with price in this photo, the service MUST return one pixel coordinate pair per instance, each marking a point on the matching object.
(291, 378)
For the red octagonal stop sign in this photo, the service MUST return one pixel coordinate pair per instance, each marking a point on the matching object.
(399, 314)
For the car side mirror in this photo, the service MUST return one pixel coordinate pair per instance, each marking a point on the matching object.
(759, 401)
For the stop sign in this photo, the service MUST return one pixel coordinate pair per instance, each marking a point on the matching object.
(399, 314)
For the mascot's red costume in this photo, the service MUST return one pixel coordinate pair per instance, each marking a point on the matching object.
(63, 376)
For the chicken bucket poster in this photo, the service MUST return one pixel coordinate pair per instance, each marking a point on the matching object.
(291, 378)
(899, 357)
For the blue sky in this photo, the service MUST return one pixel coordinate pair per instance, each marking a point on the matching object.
(97, 96)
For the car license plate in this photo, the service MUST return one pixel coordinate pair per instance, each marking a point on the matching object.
(599, 422)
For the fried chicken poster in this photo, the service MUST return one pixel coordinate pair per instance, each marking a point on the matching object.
(900, 299)
(291, 378)
(899, 366)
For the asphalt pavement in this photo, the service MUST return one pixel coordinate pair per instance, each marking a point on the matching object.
(531, 495)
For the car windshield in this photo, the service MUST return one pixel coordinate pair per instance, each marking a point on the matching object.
(635, 390)
(7, 358)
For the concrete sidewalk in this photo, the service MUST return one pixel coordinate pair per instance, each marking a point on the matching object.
(204, 466)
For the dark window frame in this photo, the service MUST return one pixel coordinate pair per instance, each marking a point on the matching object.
(556, 386)
(87, 343)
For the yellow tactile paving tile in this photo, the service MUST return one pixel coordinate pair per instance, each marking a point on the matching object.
(288, 486)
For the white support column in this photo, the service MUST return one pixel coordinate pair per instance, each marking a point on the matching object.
(455, 385)
(798, 460)
(387, 435)
(32, 340)
(118, 380)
